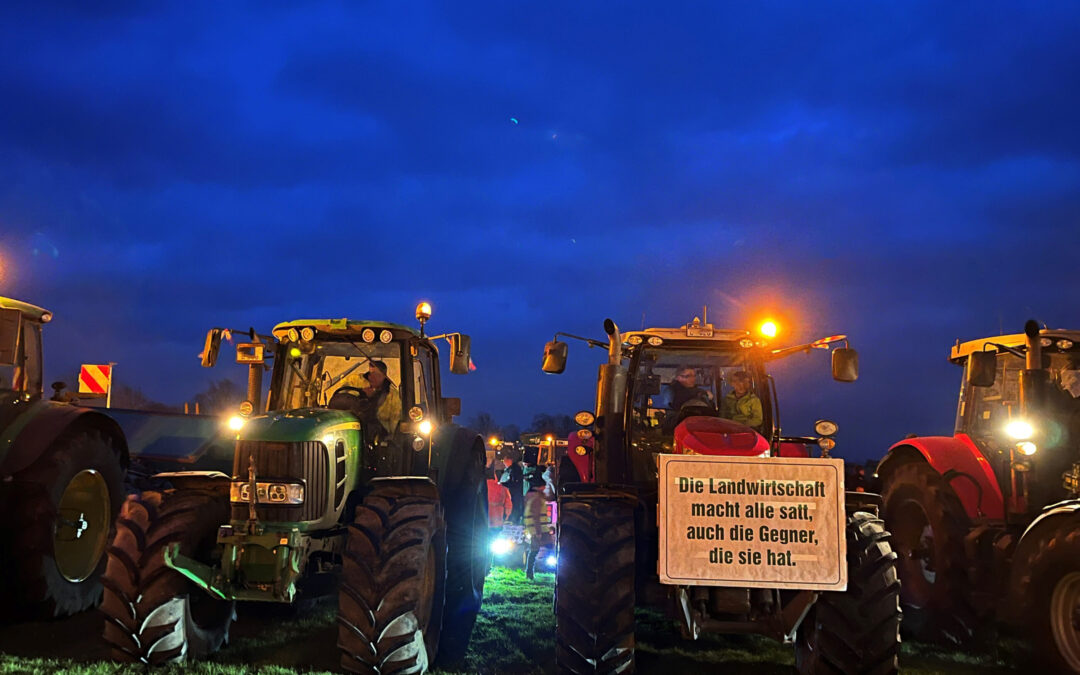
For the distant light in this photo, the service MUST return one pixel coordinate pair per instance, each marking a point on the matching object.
(768, 329)
(551, 560)
(493, 441)
(236, 423)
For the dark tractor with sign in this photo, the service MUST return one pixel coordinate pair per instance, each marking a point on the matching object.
(354, 480)
(697, 390)
(987, 521)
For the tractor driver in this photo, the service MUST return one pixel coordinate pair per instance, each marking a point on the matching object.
(684, 389)
(385, 401)
(742, 405)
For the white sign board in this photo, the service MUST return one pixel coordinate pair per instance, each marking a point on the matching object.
(756, 522)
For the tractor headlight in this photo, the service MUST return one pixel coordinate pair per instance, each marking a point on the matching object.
(236, 422)
(289, 494)
(1019, 430)
(425, 427)
(825, 427)
(552, 560)
(1027, 448)
(501, 546)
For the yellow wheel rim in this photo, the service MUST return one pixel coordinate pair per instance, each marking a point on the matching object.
(82, 526)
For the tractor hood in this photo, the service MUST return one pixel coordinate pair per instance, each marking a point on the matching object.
(303, 424)
(718, 436)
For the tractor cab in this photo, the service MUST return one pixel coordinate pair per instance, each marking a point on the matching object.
(695, 389)
(20, 350)
(1028, 428)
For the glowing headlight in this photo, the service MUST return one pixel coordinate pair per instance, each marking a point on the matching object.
(581, 450)
(1064, 344)
(294, 335)
(1019, 429)
(385, 337)
(236, 423)
(1027, 448)
(267, 493)
(551, 561)
(655, 341)
(634, 339)
(307, 333)
(368, 335)
(584, 418)
(501, 546)
(425, 427)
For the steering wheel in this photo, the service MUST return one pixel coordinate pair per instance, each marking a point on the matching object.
(351, 399)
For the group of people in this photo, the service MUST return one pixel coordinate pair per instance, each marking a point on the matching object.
(740, 405)
(520, 496)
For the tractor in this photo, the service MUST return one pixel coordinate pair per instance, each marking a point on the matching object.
(65, 471)
(660, 397)
(352, 479)
(987, 521)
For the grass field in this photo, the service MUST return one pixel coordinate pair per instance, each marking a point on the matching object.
(514, 634)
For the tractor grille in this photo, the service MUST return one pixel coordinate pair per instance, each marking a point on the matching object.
(304, 462)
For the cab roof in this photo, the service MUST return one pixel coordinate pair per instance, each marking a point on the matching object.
(961, 349)
(30, 311)
(695, 330)
(339, 326)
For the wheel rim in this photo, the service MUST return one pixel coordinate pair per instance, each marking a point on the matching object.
(913, 541)
(1065, 618)
(81, 528)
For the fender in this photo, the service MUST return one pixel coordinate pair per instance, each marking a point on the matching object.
(1019, 574)
(45, 422)
(963, 465)
(449, 441)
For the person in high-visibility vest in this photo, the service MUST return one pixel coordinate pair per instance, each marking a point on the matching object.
(537, 519)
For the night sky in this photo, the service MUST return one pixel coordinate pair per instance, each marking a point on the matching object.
(905, 173)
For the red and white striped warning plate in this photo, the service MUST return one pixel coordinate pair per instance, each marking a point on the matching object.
(94, 379)
(824, 342)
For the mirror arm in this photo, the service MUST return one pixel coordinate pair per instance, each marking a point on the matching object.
(1019, 353)
(589, 341)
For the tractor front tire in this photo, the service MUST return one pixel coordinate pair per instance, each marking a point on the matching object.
(928, 524)
(153, 614)
(594, 582)
(856, 632)
(467, 557)
(393, 581)
(1052, 622)
(59, 522)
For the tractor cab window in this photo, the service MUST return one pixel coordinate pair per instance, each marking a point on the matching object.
(671, 385)
(31, 340)
(423, 379)
(16, 377)
(339, 366)
(989, 409)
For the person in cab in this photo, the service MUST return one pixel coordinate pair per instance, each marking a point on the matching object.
(741, 404)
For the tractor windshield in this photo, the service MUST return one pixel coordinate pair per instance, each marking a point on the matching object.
(672, 384)
(311, 380)
(988, 409)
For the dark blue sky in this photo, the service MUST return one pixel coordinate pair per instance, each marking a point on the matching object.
(906, 173)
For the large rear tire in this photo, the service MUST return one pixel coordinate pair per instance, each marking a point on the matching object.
(856, 632)
(467, 557)
(928, 524)
(1052, 622)
(61, 513)
(153, 614)
(594, 582)
(393, 581)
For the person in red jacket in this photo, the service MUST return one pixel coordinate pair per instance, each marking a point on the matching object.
(500, 504)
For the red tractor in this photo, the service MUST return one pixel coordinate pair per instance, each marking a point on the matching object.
(702, 397)
(987, 521)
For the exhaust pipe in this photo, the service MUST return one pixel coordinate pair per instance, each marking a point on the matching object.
(1034, 378)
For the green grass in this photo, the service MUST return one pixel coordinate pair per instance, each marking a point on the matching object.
(514, 634)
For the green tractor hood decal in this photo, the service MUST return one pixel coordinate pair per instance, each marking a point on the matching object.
(304, 424)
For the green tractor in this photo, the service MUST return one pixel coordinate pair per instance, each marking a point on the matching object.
(61, 480)
(354, 479)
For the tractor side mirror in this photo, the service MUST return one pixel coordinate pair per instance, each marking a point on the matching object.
(981, 370)
(452, 406)
(251, 352)
(845, 364)
(211, 347)
(10, 320)
(460, 346)
(555, 357)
